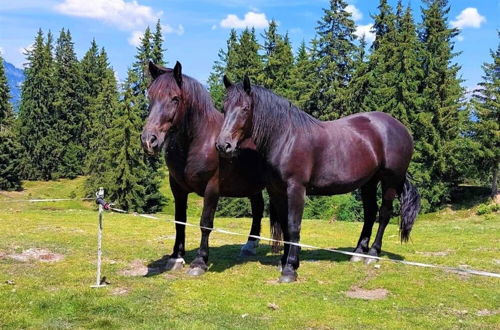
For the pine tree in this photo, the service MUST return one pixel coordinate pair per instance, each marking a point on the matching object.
(442, 119)
(68, 106)
(103, 113)
(125, 170)
(140, 68)
(37, 119)
(246, 60)
(10, 150)
(361, 82)
(278, 61)
(158, 50)
(220, 67)
(334, 53)
(486, 102)
(302, 78)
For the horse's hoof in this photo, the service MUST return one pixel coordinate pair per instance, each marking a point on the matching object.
(369, 261)
(196, 271)
(249, 249)
(174, 264)
(288, 278)
(357, 259)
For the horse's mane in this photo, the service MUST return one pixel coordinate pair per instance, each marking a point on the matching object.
(273, 114)
(197, 97)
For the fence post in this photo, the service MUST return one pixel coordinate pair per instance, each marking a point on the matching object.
(100, 282)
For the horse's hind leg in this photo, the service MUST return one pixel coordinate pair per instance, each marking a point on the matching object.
(250, 248)
(389, 191)
(370, 207)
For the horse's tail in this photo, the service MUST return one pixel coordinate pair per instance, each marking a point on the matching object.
(410, 206)
(275, 226)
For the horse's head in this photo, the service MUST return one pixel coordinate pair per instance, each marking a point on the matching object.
(238, 116)
(166, 106)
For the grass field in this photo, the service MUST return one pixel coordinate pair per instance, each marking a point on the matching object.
(331, 292)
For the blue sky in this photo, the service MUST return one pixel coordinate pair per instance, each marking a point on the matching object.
(196, 30)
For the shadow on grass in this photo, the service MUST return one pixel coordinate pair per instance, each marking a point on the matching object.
(227, 256)
(467, 197)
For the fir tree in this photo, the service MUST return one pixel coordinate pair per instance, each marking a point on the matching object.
(37, 119)
(140, 68)
(334, 53)
(220, 67)
(441, 121)
(103, 113)
(486, 102)
(302, 78)
(125, 169)
(158, 50)
(68, 106)
(10, 150)
(361, 82)
(278, 61)
(246, 60)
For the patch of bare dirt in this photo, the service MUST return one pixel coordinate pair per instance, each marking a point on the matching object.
(487, 312)
(135, 268)
(359, 293)
(36, 254)
(435, 253)
(119, 291)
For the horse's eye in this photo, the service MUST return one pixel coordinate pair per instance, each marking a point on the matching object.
(175, 99)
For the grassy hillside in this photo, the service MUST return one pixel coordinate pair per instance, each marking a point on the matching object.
(47, 264)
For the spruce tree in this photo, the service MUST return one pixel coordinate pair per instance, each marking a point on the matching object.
(125, 170)
(103, 113)
(158, 50)
(68, 107)
(223, 65)
(486, 103)
(246, 60)
(37, 118)
(442, 119)
(361, 83)
(278, 61)
(334, 54)
(10, 150)
(140, 67)
(302, 78)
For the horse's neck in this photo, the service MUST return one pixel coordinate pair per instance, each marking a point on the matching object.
(198, 123)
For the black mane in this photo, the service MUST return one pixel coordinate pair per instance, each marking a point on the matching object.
(273, 114)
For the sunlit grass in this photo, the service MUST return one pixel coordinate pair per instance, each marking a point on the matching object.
(235, 293)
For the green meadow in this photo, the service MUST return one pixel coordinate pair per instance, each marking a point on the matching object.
(48, 261)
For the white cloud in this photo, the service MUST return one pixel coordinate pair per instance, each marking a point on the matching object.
(25, 49)
(135, 38)
(1, 51)
(251, 19)
(169, 29)
(365, 30)
(355, 12)
(125, 15)
(469, 17)
(460, 37)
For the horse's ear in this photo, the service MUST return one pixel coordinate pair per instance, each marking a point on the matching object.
(247, 87)
(155, 70)
(178, 73)
(227, 82)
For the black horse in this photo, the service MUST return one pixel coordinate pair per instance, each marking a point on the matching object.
(308, 156)
(183, 117)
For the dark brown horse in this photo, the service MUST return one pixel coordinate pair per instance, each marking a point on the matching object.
(182, 117)
(308, 156)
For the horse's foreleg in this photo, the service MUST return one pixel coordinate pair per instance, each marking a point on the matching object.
(176, 259)
(369, 197)
(290, 262)
(250, 248)
(200, 264)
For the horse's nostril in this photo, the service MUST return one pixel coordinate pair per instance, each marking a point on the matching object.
(228, 146)
(153, 140)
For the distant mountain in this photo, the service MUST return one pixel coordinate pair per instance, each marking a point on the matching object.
(15, 78)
